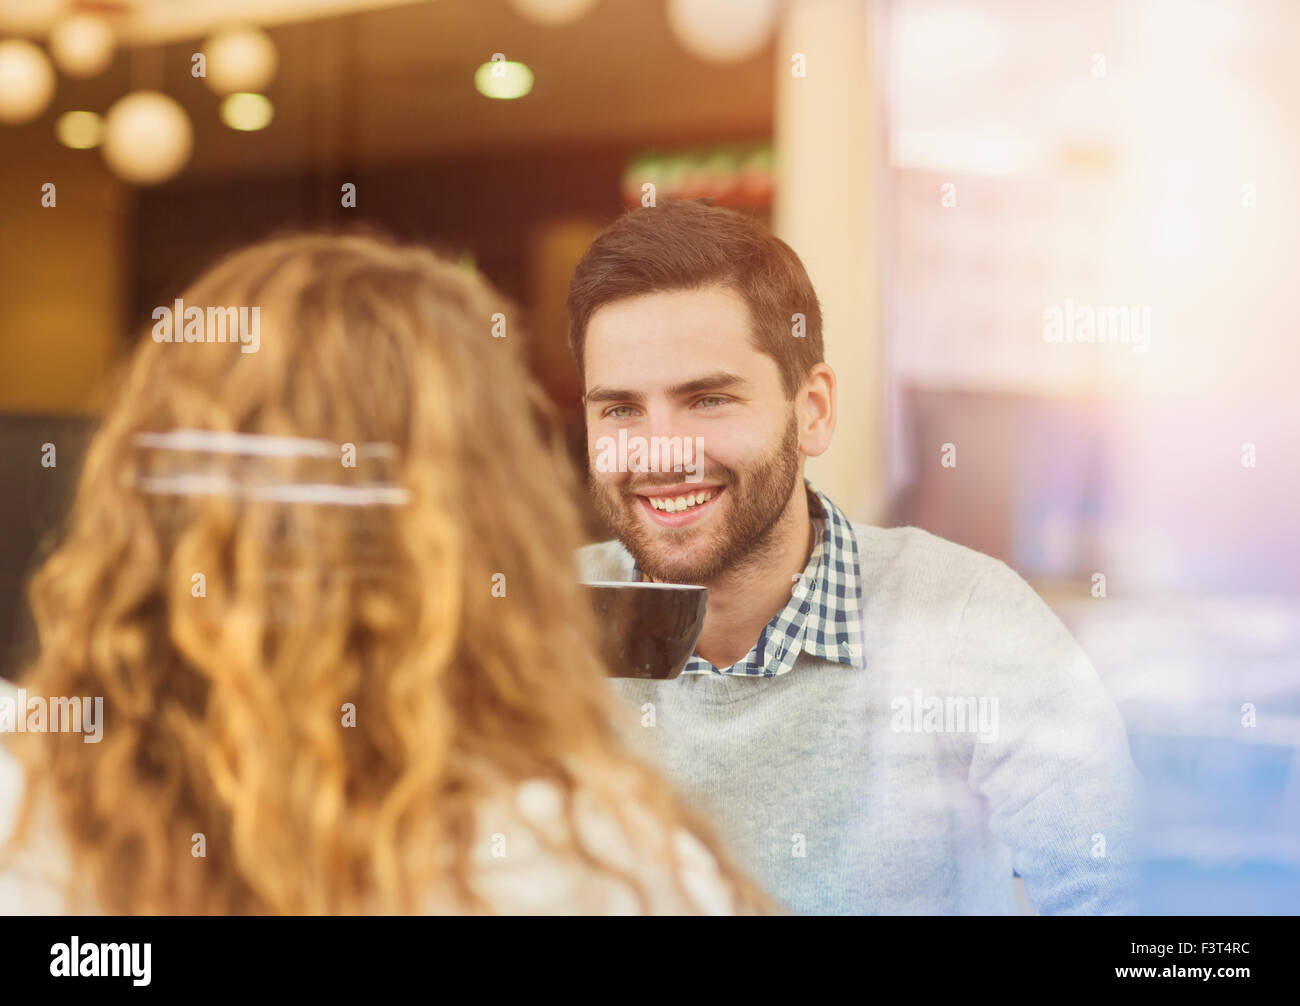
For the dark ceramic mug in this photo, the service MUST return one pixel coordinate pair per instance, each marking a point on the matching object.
(649, 630)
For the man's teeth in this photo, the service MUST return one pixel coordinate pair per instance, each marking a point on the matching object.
(681, 502)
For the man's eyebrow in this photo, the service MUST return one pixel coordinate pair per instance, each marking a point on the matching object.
(720, 381)
(601, 394)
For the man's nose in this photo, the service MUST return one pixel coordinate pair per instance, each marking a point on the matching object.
(662, 423)
(666, 423)
(669, 440)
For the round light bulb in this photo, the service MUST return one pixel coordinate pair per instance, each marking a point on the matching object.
(147, 138)
(552, 12)
(503, 79)
(82, 45)
(247, 111)
(79, 130)
(26, 81)
(31, 17)
(240, 59)
(722, 31)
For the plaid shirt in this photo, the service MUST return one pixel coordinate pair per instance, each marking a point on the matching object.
(822, 616)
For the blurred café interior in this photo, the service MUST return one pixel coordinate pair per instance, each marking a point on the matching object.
(953, 173)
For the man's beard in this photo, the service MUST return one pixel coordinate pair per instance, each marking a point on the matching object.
(756, 500)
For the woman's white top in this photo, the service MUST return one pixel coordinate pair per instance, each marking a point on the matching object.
(510, 868)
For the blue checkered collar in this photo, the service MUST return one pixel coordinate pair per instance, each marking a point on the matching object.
(822, 617)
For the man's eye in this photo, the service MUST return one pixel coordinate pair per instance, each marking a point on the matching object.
(614, 412)
(715, 399)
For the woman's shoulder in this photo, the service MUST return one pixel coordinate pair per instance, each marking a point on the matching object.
(521, 863)
(518, 872)
(33, 875)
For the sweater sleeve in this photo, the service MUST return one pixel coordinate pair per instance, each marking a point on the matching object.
(1050, 756)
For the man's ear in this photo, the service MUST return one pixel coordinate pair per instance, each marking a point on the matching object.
(815, 409)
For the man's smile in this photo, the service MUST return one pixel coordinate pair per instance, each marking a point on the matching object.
(679, 505)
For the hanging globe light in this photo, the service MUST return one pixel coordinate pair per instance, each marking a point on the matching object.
(79, 129)
(503, 79)
(82, 45)
(26, 81)
(147, 138)
(31, 17)
(552, 12)
(722, 31)
(240, 59)
(247, 111)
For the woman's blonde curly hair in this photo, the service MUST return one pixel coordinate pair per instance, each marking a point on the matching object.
(224, 712)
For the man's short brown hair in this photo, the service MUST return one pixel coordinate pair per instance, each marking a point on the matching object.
(684, 245)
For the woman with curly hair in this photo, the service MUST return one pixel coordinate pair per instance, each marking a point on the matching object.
(325, 590)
